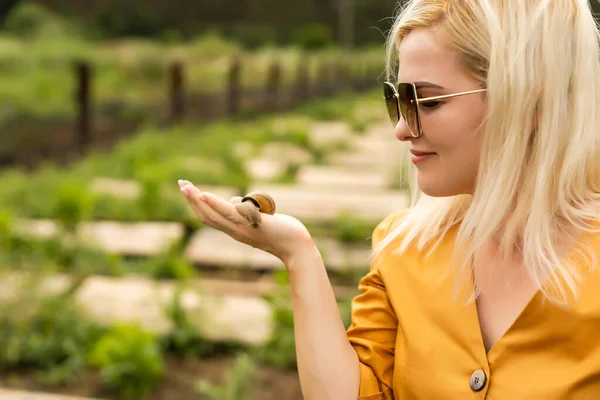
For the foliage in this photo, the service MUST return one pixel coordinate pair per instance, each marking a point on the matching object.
(32, 20)
(49, 335)
(130, 361)
(280, 350)
(238, 382)
(313, 37)
(351, 229)
(171, 265)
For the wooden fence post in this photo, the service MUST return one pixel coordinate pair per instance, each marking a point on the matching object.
(233, 89)
(271, 102)
(177, 92)
(303, 89)
(83, 100)
(323, 79)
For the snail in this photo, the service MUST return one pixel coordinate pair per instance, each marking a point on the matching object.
(253, 204)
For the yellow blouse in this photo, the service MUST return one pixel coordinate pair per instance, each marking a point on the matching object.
(414, 342)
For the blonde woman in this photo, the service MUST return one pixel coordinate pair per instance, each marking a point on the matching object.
(488, 285)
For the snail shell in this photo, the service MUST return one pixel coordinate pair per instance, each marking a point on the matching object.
(253, 204)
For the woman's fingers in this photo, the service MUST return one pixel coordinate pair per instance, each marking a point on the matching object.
(201, 203)
(224, 208)
(235, 199)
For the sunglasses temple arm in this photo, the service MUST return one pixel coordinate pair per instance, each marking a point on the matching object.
(449, 95)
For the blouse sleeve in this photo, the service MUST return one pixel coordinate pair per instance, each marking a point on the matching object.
(372, 331)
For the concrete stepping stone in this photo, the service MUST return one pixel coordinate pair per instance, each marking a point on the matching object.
(264, 285)
(363, 159)
(324, 205)
(142, 301)
(11, 394)
(12, 283)
(211, 247)
(383, 129)
(324, 134)
(378, 145)
(143, 238)
(341, 257)
(130, 189)
(343, 178)
(265, 169)
(288, 152)
(122, 188)
(36, 228)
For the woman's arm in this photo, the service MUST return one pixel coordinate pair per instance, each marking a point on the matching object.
(327, 364)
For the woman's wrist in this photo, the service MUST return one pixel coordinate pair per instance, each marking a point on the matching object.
(303, 257)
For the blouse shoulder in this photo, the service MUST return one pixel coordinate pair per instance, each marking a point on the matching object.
(386, 225)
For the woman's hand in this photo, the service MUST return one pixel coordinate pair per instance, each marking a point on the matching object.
(280, 235)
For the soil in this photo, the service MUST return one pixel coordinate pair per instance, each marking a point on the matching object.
(178, 384)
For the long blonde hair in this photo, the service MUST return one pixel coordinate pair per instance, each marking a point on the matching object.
(540, 156)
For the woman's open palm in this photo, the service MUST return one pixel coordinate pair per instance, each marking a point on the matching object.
(278, 234)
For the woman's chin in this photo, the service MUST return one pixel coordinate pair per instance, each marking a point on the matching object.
(438, 189)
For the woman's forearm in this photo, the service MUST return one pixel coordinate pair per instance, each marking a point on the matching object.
(327, 364)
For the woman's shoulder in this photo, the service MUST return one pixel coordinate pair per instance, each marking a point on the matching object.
(387, 225)
(391, 248)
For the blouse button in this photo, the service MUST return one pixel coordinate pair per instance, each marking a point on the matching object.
(478, 380)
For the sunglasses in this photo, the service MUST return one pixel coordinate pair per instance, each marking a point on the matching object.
(402, 101)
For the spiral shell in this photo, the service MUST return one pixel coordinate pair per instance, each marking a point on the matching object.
(263, 201)
(253, 204)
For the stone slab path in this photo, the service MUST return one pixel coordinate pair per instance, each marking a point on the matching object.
(343, 178)
(326, 204)
(133, 299)
(141, 238)
(214, 248)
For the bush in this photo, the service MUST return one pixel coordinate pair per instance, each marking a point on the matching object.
(49, 335)
(238, 382)
(130, 361)
(312, 37)
(32, 20)
(254, 36)
(350, 229)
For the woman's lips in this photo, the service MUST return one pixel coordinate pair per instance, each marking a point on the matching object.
(420, 156)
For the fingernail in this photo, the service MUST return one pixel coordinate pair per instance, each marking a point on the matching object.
(185, 191)
(181, 183)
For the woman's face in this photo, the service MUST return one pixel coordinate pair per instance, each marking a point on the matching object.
(451, 127)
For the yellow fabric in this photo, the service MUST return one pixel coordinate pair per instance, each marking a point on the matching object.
(414, 342)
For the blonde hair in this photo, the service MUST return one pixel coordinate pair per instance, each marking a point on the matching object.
(540, 158)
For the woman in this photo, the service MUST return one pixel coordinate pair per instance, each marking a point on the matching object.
(488, 285)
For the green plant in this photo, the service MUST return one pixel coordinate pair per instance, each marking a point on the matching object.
(313, 37)
(183, 338)
(29, 20)
(238, 382)
(49, 335)
(130, 361)
(74, 204)
(350, 229)
(170, 264)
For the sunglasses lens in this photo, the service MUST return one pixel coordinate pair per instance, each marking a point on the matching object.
(409, 107)
(391, 102)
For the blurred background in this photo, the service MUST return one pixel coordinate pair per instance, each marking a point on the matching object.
(110, 287)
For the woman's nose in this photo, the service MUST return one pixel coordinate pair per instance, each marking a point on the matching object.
(402, 132)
